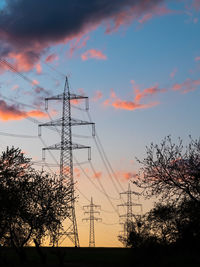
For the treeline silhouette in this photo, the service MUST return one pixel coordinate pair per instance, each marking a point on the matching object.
(33, 204)
(171, 173)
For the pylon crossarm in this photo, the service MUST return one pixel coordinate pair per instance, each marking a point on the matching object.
(86, 219)
(67, 145)
(51, 123)
(75, 96)
(130, 192)
(98, 219)
(75, 122)
(92, 205)
(56, 97)
(130, 204)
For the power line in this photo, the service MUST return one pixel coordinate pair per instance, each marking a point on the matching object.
(99, 144)
(18, 135)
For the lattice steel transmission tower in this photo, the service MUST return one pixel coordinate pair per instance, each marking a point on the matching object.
(129, 217)
(92, 218)
(66, 146)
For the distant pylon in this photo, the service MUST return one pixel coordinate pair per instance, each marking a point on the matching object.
(129, 216)
(66, 156)
(91, 218)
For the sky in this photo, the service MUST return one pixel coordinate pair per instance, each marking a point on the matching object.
(139, 64)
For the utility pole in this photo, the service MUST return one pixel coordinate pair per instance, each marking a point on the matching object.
(66, 146)
(91, 218)
(129, 216)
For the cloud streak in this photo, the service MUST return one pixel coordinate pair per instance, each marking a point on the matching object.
(93, 53)
(187, 86)
(135, 104)
(13, 112)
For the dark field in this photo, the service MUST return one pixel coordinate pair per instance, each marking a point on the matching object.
(100, 257)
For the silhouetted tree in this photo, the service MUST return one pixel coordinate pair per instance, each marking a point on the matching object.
(32, 204)
(162, 221)
(171, 172)
(167, 224)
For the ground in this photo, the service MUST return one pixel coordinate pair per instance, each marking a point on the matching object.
(87, 257)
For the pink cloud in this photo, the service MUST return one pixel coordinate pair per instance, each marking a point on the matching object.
(78, 43)
(15, 87)
(124, 17)
(197, 59)
(38, 68)
(145, 18)
(187, 86)
(98, 95)
(92, 53)
(155, 11)
(196, 5)
(35, 82)
(173, 73)
(51, 58)
(22, 61)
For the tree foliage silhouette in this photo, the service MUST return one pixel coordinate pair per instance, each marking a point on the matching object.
(170, 171)
(32, 204)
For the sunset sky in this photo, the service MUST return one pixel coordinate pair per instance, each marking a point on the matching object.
(138, 61)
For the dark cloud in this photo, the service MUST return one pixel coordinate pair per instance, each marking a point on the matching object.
(30, 26)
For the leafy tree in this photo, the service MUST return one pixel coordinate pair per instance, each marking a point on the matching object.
(167, 224)
(162, 220)
(170, 171)
(32, 204)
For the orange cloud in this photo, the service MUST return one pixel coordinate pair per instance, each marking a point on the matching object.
(12, 112)
(92, 53)
(97, 175)
(187, 86)
(36, 114)
(77, 172)
(147, 92)
(51, 58)
(125, 176)
(118, 103)
(129, 105)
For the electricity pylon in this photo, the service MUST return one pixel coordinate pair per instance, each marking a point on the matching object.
(129, 216)
(91, 218)
(66, 146)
